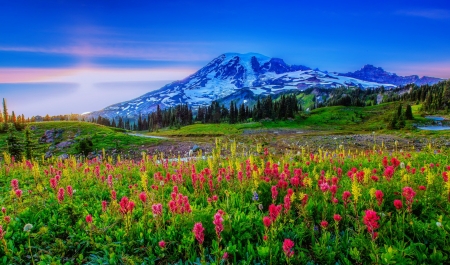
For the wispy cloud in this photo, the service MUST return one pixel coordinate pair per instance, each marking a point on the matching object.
(92, 75)
(426, 13)
(160, 52)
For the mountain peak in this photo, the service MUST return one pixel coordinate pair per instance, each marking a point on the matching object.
(245, 56)
(235, 76)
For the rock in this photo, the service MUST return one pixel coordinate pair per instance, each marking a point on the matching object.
(48, 154)
(63, 156)
(63, 145)
(47, 137)
(32, 128)
(195, 148)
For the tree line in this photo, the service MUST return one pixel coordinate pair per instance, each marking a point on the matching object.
(180, 115)
(285, 107)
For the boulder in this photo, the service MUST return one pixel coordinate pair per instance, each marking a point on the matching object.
(48, 154)
(63, 156)
(64, 144)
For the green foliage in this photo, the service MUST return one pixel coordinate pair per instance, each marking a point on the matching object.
(408, 113)
(29, 144)
(84, 146)
(14, 145)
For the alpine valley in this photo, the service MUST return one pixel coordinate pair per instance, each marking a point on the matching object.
(245, 77)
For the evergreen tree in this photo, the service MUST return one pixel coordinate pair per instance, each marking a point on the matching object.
(5, 115)
(14, 145)
(233, 114)
(29, 144)
(408, 113)
(84, 146)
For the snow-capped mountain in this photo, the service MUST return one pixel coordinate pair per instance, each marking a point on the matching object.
(238, 75)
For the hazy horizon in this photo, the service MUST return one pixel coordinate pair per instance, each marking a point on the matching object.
(62, 57)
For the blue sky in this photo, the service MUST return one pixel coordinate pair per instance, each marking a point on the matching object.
(69, 53)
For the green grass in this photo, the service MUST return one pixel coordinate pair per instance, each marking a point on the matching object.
(199, 129)
(102, 136)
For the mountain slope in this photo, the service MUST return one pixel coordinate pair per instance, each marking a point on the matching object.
(233, 75)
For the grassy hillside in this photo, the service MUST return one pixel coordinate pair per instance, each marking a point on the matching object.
(102, 137)
(337, 119)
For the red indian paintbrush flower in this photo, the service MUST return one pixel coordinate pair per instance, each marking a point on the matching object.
(337, 218)
(398, 204)
(143, 197)
(274, 193)
(113, 195)
(70, 191)
(162, 244)
(379, 195)
(60, 195)
(274, 211)
(126, 205)
(409, 195)
(89, 219)
(324, 224)
(157, 209)
(199, 232)
(345, 197)
(370, 219)
(389, 172)
(287, 203)
(104, 206)
(266, 221)
(18, 193)
(53, 183)
(15, 184)
(218, 222)
(287, 248)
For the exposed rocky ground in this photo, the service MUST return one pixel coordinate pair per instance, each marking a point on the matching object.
(277, 140)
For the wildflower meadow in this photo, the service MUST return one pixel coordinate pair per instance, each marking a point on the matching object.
(257, 206)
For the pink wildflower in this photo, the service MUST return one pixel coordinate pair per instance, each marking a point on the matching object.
(370, 219)
(218, 222)
(157, 209)
(199, 232)
(70, 191)
(266, 221)
(143, 197)
(15, 184)
(287, 248)
(337, 218)
(18, 193)
(274, 193)
(398, 204)
(162, 244)
(60, 195)
(379, 195)
(89, 219)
